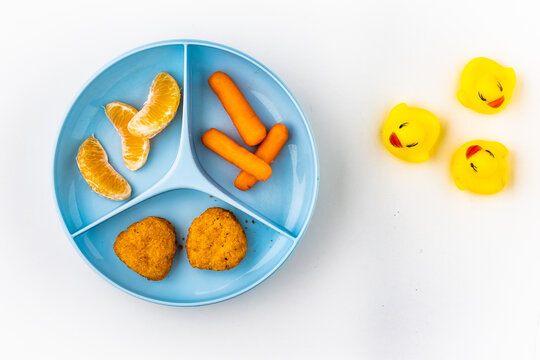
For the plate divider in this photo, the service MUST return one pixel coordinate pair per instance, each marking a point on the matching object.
(185, 173)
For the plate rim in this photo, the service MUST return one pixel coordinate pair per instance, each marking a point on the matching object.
(185, 43)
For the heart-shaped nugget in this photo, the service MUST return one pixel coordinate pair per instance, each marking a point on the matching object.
(147, 247)
(216, 240)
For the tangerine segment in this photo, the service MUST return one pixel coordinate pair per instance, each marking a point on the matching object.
(98, 173)
(159, 109)
(134, 149)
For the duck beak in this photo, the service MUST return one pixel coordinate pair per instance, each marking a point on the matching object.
(473, 149)
(394, 140)
(496, 103)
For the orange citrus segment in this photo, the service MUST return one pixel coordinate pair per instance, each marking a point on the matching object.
(98, 173)
(134, 149)
(159, 109)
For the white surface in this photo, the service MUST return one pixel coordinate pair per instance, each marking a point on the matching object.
(397, 263)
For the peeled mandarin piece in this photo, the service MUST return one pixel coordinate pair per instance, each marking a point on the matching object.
(480, 167)
(486, 86)
(159, 109)
(410, 134)
(99, 174)
(135, 149)
(248, 124)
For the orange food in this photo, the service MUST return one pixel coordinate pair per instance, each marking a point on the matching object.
(135, 149)
(98, 173)
(148, 247)
(225, 147)
(216, 241)
(250, 128)
(268, 151)
(159, 109)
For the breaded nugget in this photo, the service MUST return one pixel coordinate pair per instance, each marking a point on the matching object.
(216, 240)
(147, 247)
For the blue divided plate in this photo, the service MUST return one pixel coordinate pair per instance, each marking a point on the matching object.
(182, 178)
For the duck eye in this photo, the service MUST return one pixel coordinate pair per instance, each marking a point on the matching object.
(490, 153)
(499, 86)
(481, 97)
(412, 145)
(402, 125)
(474, 167)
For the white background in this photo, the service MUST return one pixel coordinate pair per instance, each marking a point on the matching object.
(397, 263)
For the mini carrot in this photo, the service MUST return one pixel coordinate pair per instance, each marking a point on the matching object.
(225, 147)
(268, 151)
(250, 128)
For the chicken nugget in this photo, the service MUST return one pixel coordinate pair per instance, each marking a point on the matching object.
(147, 247)
(216, 240)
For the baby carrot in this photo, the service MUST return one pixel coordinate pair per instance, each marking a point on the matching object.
(250, 128)
(225, 147)
(268, 151)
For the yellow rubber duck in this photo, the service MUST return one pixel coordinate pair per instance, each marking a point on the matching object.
(410, 133)
(480, 167)
(486, 86)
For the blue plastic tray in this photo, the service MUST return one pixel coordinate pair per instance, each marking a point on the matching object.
(182, 178)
